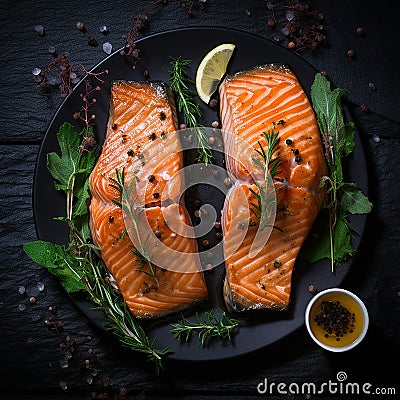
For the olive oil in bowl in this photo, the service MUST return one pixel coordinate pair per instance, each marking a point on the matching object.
(336, 319)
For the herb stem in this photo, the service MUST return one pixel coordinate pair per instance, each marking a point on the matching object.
(179, 82)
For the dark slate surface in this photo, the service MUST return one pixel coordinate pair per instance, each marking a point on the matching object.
(32, 365)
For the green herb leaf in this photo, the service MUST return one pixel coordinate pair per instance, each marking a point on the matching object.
(354, 201)
(59, 261)
(342, 244)
(63, 169)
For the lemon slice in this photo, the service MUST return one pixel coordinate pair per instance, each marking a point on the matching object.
(211, 69)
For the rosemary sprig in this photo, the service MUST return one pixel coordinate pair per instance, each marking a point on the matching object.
(211, 325)
(179, 82)
(268, 166)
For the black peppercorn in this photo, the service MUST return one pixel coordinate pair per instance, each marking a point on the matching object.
(156, 195)
(114, 127)
(162, 115)
(298, 159)
(151, 178)
(111, 218)
(131, 153)
(289, 142)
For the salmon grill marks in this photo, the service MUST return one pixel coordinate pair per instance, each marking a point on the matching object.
(139, 114)
(252, 102)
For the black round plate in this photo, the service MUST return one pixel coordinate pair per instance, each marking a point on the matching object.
(258, 329)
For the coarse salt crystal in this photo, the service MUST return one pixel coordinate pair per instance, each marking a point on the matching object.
(107, 48)
(36, 71)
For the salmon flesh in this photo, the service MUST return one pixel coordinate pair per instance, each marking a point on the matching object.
(143, 113)
(268, 98)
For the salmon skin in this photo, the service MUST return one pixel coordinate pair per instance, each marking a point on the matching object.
(268, 98)
(141, 113)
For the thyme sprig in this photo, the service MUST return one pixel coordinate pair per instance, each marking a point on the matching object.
(213, 324)
(179, 84)
(269, 166)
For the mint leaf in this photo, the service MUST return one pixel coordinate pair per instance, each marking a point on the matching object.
(63, 169)
(58, 260)
(346, 142)
(354, 201)
(342, 245)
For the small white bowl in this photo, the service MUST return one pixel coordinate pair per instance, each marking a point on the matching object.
(330, 294)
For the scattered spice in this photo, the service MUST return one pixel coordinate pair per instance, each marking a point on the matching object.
(312, 289)
(289, 142)
(228, 181)
(156, 195)
(241, 225)
(213, 103)
(110, 219)
(277, 264)
(162, 116)
(114, 127)
(151, 178)
(360, 31)
(157, 234)
(350, 53)
(298, 23)
(92, 41)
(80, 26)
(217, 225)
(298, 159)
(206, 243)
(130, 153)
(152, 136)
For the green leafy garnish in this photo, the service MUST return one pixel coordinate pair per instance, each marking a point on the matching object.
(179, 84)
(78, 265)
(343, 197)
(211, 325)
(59, 261)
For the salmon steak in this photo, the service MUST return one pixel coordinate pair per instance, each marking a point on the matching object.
(268, 99)
(141, 145)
